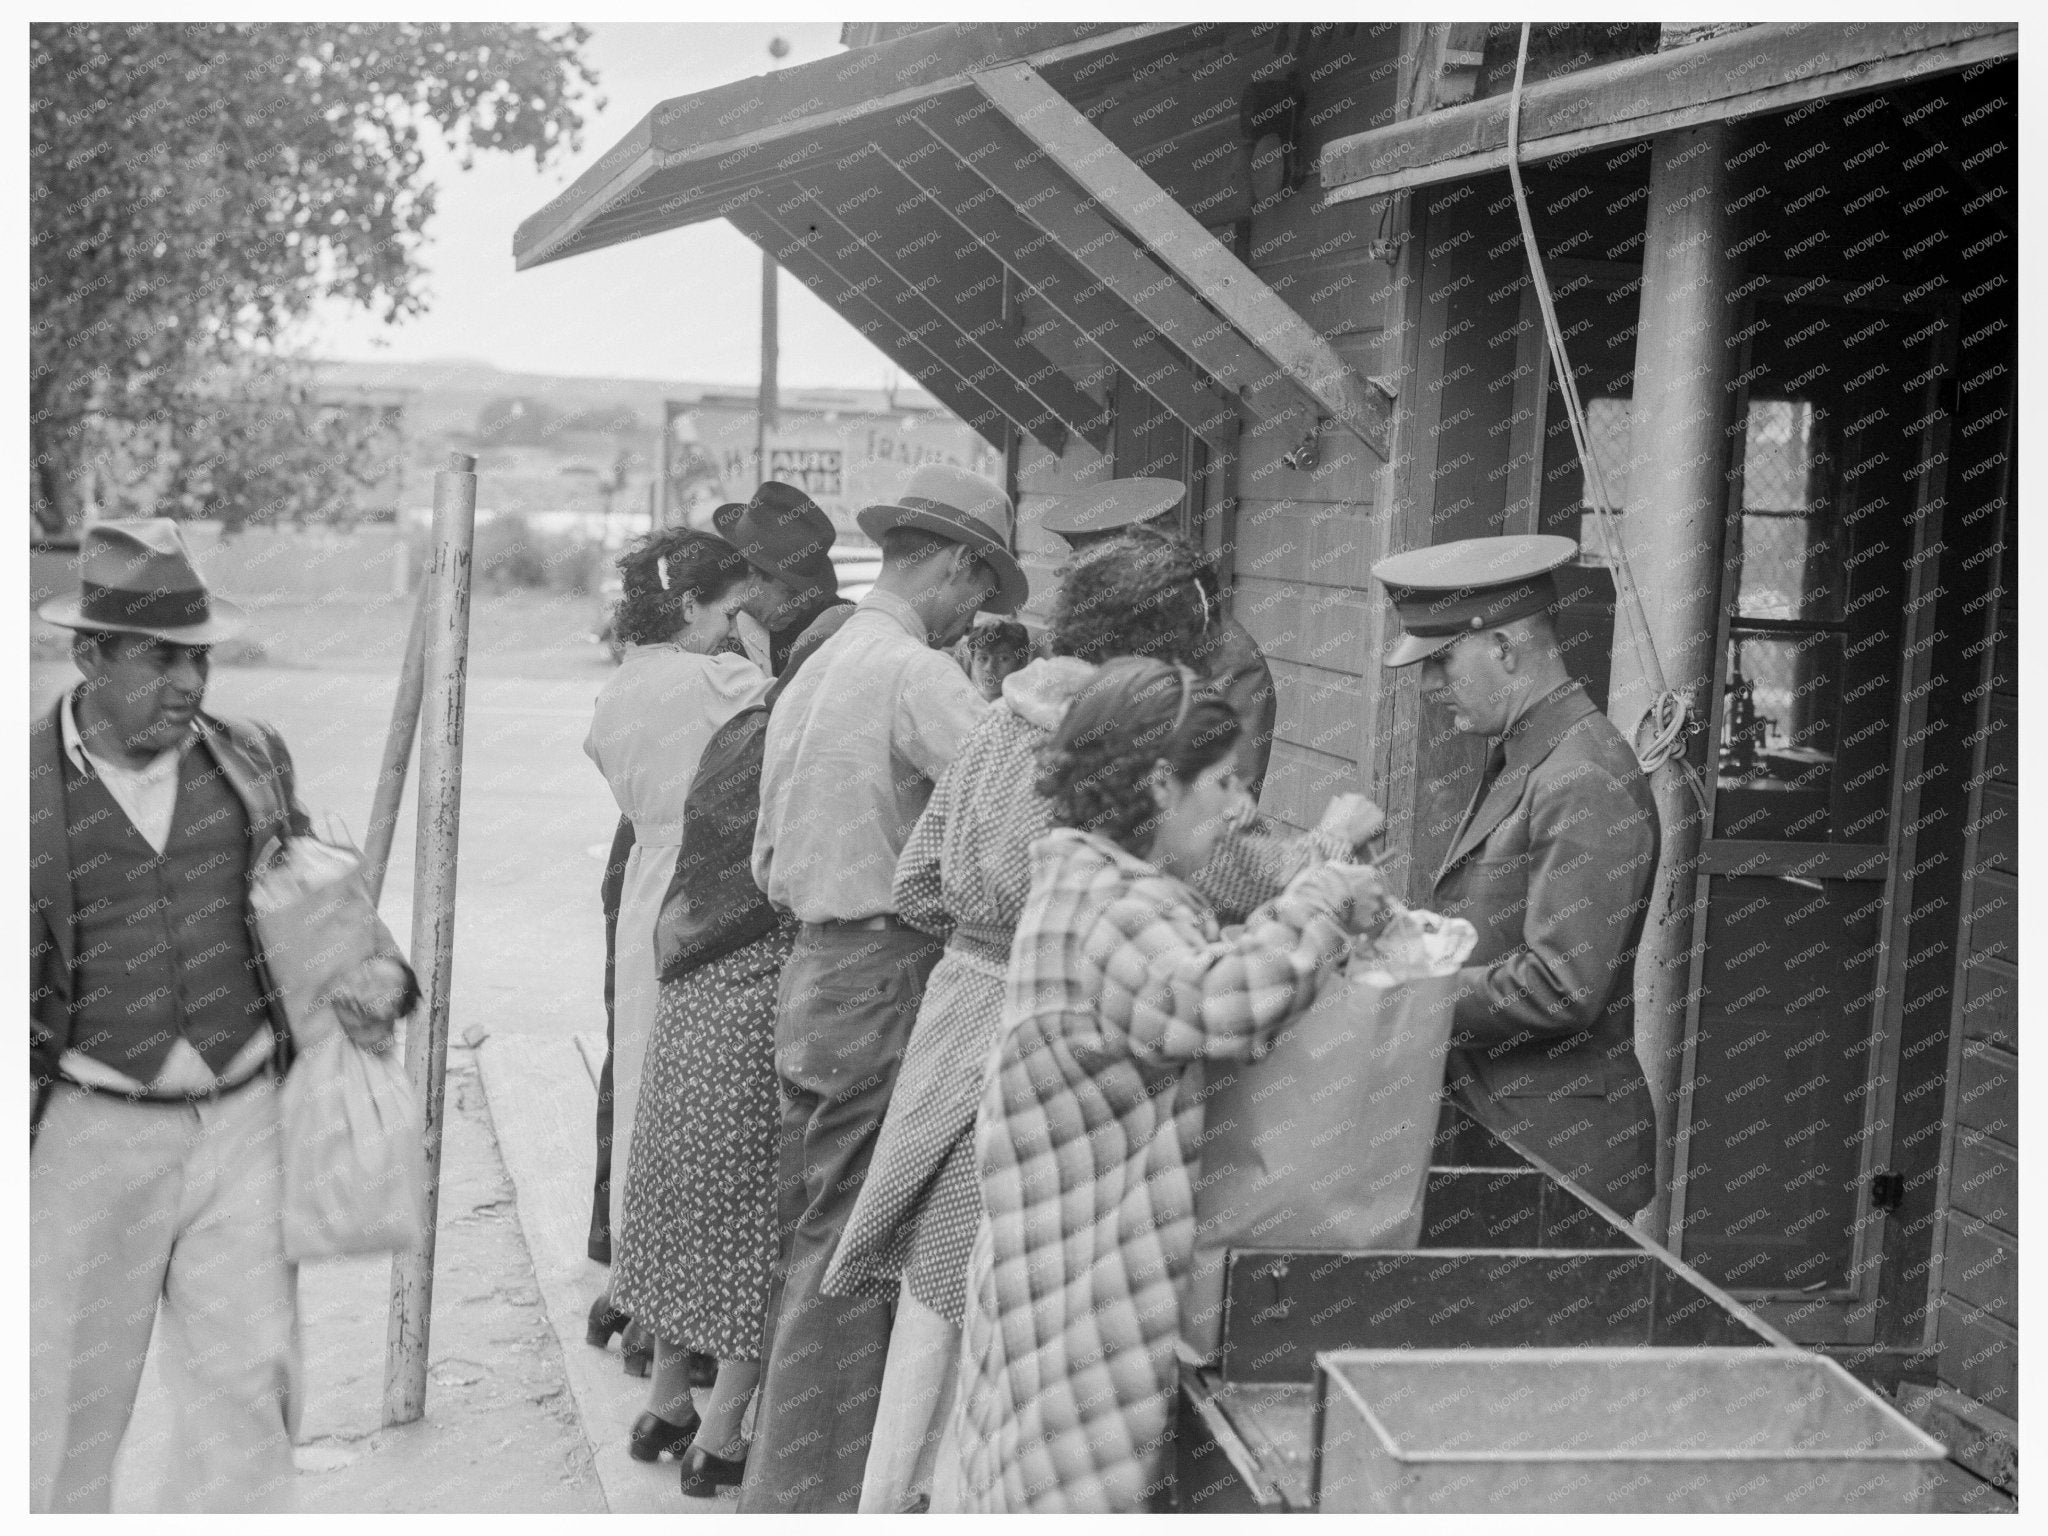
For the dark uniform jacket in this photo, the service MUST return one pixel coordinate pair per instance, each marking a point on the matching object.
(1552, 864)
(255, 764)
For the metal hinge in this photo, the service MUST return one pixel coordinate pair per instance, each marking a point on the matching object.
(1887, 1190)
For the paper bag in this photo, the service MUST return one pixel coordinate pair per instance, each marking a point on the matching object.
(354, 1163)
(1324, 1142)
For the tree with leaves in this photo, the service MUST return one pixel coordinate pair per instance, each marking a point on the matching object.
(196, 189)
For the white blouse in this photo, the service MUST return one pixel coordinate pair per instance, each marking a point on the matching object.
(653, 721)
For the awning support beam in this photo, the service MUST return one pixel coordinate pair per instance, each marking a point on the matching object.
(1095, 315)
(1759, 69)
(1168, 233)
(799, 257)
(1015, 169)
(972, 327)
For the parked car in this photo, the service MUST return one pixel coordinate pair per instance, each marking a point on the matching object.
(609, 591)
(858, 566)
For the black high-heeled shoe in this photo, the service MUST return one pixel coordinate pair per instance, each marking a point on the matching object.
(604, 1321)
(654, 1437)
(704, 1474)
(703, 1370)
(636, 1350)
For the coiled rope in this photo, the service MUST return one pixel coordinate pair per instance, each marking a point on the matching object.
(1660, 734)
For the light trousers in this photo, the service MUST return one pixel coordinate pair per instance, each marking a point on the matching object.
(147, 1216)
(918, 1380)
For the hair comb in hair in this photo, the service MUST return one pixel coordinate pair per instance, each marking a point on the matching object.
(1188, 684)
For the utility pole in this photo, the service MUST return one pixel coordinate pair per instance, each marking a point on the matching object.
(765, 404)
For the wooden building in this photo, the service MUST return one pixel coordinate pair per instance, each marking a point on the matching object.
(1286, 264)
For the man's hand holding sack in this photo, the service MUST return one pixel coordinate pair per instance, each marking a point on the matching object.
(354, 1170)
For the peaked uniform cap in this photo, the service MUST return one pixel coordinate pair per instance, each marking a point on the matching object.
(782, 533)
(136, 577)
(1114, 505)
(951, 503)
(1448, 590)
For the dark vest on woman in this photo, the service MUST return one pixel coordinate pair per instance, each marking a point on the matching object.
(163, 938)
(713, 906)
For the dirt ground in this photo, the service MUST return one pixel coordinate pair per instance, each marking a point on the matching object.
(500, 1434)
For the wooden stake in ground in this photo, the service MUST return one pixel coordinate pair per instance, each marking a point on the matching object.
(445, 610)
(405, 720)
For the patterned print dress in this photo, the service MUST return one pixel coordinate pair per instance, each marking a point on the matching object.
(1120, 985)
(699, 1241)
(966, 871)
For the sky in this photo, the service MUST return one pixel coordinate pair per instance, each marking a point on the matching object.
(682, 305)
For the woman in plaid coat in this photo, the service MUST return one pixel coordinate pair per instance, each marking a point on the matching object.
(1120, 984)
(964, 875)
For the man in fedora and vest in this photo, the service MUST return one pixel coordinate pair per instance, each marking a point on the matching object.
(1551, 863)
(853, 750)
(1231, 658)
(786, 539)
(155, 1042)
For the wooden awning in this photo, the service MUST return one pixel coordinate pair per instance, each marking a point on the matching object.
(909, 184)
(1769, 68)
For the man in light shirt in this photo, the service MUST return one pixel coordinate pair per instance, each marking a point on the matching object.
(156, 1040)
(853, 750)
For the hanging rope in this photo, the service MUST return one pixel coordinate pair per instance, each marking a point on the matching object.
(1660, 734)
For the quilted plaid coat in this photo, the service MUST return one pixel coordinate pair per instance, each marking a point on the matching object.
(1120, 985)
(966, 872)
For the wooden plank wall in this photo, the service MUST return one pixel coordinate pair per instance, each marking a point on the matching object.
(1977, 1323)
(1305, 538)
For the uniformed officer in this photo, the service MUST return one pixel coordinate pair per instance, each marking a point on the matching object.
(1231, 658)
(1551, 863)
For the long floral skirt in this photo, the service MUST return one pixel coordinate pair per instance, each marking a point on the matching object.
(698, 1240)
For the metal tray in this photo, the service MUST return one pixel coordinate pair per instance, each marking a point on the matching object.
(1607, 1430)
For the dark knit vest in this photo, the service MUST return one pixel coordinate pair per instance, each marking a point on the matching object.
(163, 938)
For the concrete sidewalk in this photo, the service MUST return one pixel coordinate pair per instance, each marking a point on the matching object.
(543, 1098)
(501, 1432)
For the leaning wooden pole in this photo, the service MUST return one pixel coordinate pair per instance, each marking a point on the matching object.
(405, 721)
(446, 664)
(1678, 497)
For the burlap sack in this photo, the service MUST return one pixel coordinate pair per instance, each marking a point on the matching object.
(354, 1154)
(1324, 1142)
(318, 924)
(355, 1178)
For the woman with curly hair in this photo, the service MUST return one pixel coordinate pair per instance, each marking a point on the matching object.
(964, 875)
(1121, 983)
(675, 687)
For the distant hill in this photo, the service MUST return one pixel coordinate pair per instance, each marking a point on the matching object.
(549, 442)
(449, 395)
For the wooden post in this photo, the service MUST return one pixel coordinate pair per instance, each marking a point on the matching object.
(661, 467)
(1678, 495)
(1391, 701)
(405, 720)
(766, 404)
(446, 661)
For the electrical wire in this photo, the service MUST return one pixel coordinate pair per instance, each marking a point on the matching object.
(1670, 717)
